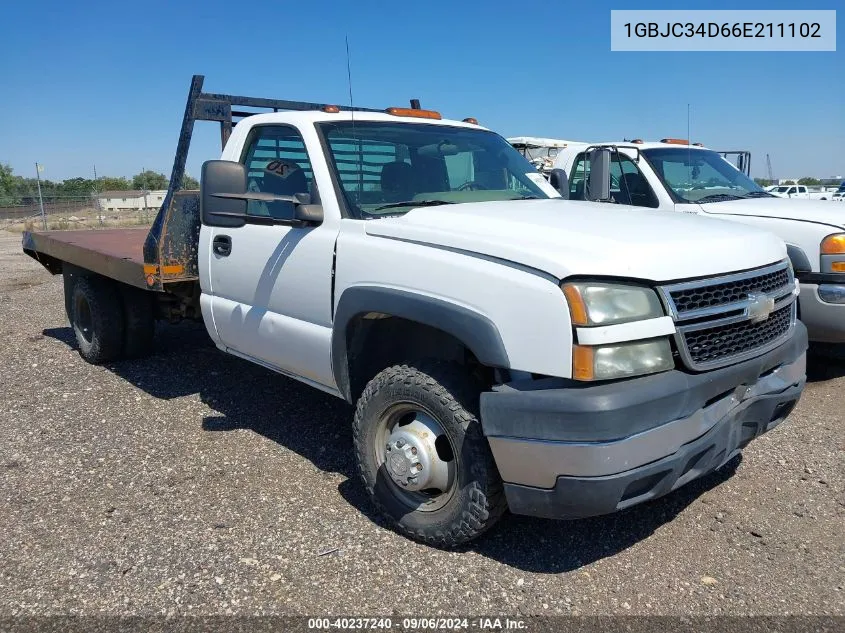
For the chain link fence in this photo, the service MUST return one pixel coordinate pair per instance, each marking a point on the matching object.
(71, 212)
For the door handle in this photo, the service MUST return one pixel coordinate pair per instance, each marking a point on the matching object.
(222, 245)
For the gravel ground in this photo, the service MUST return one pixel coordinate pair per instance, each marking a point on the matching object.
(193, 482)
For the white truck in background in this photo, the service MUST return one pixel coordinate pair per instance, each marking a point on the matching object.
(674, 175)
(503, 347)
(800, 191)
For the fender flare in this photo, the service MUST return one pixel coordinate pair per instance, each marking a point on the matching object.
(474, 330)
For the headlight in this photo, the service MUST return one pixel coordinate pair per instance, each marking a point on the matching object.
(606, 304)
(621, 360)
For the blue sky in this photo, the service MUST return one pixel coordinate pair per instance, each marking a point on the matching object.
(104, 83)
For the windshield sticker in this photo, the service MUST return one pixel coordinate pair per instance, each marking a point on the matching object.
(541, 182)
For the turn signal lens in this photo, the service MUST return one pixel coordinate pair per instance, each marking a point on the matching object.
(833, 244)
(577, 309)
(420, 114)
(837, 267)
(582, 362)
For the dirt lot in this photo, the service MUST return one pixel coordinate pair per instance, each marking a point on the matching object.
(192, 482)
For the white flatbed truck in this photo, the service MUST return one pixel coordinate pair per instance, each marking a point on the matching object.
(503, 347)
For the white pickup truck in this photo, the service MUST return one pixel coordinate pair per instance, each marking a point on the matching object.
(672, 175)
(503, 347)
(799, 191)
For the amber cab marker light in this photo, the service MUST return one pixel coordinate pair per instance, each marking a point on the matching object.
(413, 112)
(675, 141)
(331, 109)
(582, 362)
(833, 244)
(577, 309)
(471, 120)
(838, 267)
(638, 141)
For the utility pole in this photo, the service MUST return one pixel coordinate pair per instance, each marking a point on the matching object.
(38, 169)
(144, 176)
(100, 216)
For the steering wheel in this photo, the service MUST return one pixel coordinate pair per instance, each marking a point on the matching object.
(472, 185)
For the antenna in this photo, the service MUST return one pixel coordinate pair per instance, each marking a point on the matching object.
(352, 118)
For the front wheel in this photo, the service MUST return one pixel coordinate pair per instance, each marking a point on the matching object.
(422, 456)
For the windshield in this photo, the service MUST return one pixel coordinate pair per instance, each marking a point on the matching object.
(694, 175)
(386, 168)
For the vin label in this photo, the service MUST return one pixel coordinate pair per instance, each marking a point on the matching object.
(704, 30)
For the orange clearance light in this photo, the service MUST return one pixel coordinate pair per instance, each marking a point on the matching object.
(471, 120)
(833, 244)
(582, 362)
(675, 141)
(638, 141)
(837, 267)
(413, 112)
(330, 109)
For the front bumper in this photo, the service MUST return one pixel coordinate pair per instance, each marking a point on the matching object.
(571, 450)
(825, 321)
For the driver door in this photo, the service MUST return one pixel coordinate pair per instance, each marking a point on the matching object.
(271, 283)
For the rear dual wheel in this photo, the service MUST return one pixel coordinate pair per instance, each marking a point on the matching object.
(110, 321)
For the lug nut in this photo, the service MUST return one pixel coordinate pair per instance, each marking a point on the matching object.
(400, 442)
(389, 447)
(413, 450)
(418, 466)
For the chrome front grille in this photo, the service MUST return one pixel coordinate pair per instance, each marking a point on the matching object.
(688, 300)
(728, 319)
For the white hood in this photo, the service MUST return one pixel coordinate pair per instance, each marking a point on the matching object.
(820, 211)
(563, 238)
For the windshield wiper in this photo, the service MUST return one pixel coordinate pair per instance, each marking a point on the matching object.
(413, 203)
(759, 194)
(719, 197)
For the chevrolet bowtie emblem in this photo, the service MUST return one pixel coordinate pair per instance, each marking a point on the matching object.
(760, 306)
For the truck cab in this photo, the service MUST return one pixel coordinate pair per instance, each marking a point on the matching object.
(675, 175)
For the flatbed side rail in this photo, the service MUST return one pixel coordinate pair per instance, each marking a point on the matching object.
(170, 249)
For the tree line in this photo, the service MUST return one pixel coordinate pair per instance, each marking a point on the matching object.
(16, 189)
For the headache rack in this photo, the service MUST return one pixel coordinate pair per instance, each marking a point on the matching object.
(170, 248)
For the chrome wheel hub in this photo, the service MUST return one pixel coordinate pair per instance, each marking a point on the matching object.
(411, 457)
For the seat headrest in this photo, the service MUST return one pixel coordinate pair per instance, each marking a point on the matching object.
(285, 178)
(397, 177)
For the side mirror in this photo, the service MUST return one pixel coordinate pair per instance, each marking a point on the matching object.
(560, 181)
(598, 188)
(224, 198)
(229, 179)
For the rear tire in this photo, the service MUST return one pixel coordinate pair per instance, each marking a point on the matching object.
(446, 396)
(139, 316)
(97, 319)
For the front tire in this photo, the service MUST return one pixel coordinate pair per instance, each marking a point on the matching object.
(422, 455)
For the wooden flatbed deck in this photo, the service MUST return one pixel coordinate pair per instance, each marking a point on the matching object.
(114, 253)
